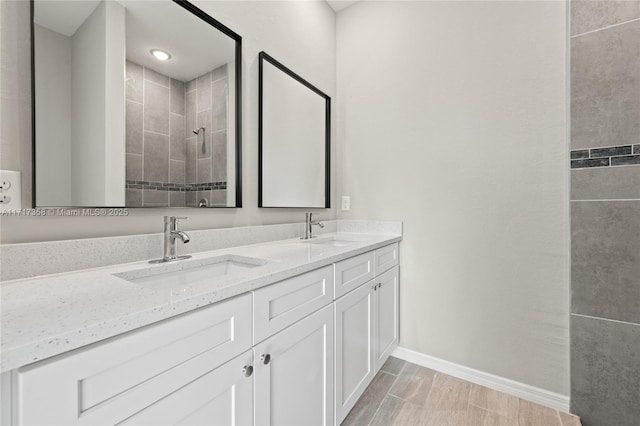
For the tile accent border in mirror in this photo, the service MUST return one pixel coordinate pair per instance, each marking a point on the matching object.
(182, 187)
(621, 155)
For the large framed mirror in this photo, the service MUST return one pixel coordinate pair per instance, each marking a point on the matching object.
(294, 139)
(137, 104)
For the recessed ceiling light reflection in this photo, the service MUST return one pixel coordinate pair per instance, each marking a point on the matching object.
(160, 55)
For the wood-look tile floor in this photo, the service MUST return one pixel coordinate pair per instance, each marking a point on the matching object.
(403, 393)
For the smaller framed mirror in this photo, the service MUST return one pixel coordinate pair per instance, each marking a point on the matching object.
(294, 139)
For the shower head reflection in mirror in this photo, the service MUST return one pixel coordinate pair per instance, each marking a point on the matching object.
(204, 142)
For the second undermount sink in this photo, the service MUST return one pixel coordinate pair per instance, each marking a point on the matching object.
(191, 272)
(337, 240)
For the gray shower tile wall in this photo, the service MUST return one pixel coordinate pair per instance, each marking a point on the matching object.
(606, 260)
(605, 87)
(155, 123)
(605, 372)
(161, 116)
(206, 160)
(609, 183)
(605, 212)
(591, 15)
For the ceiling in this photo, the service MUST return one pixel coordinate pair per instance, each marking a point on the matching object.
(195, 46)
(338, 5)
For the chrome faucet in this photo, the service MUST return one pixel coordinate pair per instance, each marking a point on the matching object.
(308, 226)
(171, 234)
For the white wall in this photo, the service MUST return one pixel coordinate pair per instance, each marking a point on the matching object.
(88, 110)
(299, 34)
(114, 145)
(97, 108)
(53, 109)
(452, 119)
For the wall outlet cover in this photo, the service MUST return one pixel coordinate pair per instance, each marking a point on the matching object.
(10, 190)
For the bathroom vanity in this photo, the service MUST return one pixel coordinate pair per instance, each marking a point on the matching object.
(284, 332)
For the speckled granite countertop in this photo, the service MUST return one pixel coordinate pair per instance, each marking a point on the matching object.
(48, 315)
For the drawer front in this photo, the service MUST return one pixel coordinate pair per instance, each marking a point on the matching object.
(386, 258)
(351, 273)
(280, 305)
(110, 381)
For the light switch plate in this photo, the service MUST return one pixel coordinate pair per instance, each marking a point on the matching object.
(346, 203)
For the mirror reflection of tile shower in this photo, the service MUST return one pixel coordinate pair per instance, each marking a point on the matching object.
(176, 138)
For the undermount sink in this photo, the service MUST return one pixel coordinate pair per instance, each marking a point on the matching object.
(191, 272)
(337, 240)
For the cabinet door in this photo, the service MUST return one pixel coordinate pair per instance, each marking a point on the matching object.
(294, 374)
(222, 397)
(354, 347)
(386, 316)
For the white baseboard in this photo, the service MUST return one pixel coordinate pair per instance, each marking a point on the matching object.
(511, 387)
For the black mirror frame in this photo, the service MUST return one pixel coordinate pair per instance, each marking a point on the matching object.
(238, 113)
(263, 56)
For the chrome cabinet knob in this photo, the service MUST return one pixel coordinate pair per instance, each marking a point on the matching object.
(266, 358)
(247, 370)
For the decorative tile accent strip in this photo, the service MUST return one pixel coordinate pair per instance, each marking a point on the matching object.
(579, 154)
(589, 162)
(610, 152)
(622, 155)
(181, 187)
(627, 160)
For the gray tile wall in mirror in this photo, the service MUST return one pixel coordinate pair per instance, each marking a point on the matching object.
(168, 165)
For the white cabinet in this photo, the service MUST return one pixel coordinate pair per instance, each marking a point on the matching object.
(366, 321)
(222, 397)
(294, 374)
(354, 347)
(111, 381)
(385, 328)
(310, 354)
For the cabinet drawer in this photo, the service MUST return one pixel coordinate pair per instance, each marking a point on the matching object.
(351, 273)
(386, 258)
(280, 305)
(112, 380)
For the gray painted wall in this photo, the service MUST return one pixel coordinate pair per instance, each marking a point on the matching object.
(605, 212)
(453, 119)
